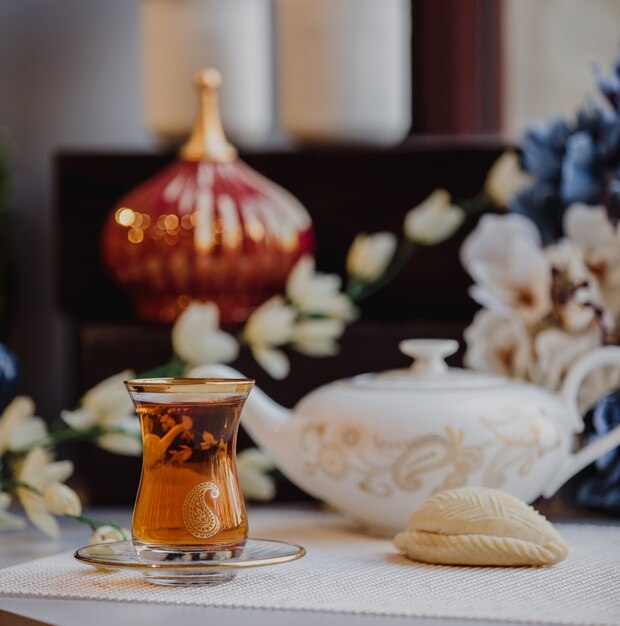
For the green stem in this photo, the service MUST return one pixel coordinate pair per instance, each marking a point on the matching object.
(94, 524)
(58, 436)
(175, 367)
(72, 433)
(18, 484)
(57, 424)
(69, 434)
(359, 290)
(478, 204)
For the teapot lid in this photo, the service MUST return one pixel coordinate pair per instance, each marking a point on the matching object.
(429, 372)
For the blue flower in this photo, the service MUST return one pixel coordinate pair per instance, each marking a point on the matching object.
(573, 162)
(606, 417)
(603, 490)
(542, 204)
(613, 198)
(604, 128)
(608, 147)
(610, 85)
(581, 179)
(543, 147)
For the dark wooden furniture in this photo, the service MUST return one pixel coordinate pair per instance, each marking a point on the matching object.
(457, 53)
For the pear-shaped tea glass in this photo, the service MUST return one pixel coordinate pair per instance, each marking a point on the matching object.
(189, 504)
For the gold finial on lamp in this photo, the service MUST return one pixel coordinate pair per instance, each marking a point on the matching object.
(206, 228)
(208, 141)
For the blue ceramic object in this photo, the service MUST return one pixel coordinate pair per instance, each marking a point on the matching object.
(602, 491)
(9, 375)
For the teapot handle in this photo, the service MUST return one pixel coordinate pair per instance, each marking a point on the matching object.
(601, 357)
(607, 355)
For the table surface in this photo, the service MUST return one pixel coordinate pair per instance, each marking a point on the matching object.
(30, 544)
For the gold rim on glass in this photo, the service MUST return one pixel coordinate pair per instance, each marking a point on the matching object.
(189, 385)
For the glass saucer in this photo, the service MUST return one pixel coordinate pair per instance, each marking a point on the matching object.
(121, 555)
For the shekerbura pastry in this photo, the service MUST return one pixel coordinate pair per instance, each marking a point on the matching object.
(478, 526)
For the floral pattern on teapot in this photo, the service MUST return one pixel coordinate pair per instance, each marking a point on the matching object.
(515, 444)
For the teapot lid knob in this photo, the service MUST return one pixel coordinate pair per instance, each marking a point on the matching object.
(429, 354)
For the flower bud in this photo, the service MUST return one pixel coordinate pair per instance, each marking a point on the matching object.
(197, 338)
(506, 179)
(369, 255)
(107, 534)
(434, 220)
(62, 500)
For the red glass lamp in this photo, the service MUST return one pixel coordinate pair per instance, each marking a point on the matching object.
(208, 227)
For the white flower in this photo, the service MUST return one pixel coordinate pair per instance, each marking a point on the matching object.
(197, 338)
(271, 324)
(575, 294)
(511, 272)
(317, 337)
(123, 443)
(39, 472)
(591, 231)
(498, 344)
(482, 243)
(274, 362)
(369, 255)
(314, 293)
(108, 534)
(506, 179)
(109, 406)
(434, 220)
(107, 403)
(19, 429)
(9, 521)
(61, 500)
(252, 469)
(588, 226)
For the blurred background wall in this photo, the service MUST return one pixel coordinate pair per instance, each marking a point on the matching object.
(550, 49)
(70, 76)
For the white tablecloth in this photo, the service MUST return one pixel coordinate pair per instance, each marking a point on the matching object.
(346, 572)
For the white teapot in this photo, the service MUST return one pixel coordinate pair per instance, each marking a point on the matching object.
(377, 445)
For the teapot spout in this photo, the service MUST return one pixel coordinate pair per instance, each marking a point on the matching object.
(263, 419)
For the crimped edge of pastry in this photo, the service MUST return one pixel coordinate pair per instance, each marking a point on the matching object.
(431, 547)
